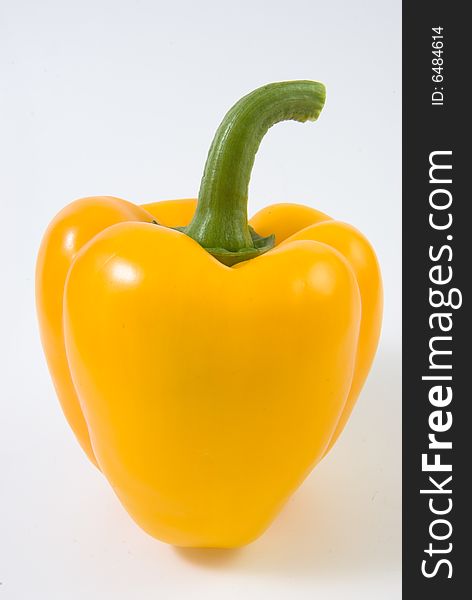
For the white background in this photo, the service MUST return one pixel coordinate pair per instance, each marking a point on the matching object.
(123, 98)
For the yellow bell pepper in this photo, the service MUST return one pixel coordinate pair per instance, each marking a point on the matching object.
(206, 368)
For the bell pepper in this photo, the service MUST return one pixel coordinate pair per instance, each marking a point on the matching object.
(206, 363)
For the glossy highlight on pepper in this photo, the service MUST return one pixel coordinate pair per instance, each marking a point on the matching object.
(207, 362)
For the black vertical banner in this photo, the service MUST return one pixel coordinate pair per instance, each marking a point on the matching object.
(437, 332)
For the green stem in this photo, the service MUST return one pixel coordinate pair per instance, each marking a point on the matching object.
(220, 222)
